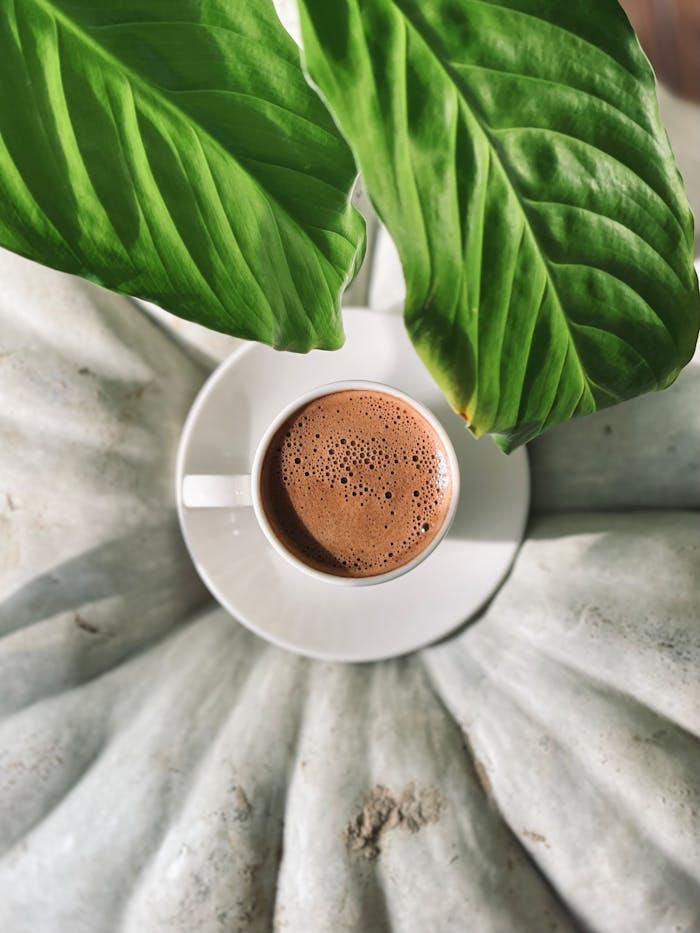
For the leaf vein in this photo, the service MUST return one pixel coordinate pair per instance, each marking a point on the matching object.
(554, 27)
(474, 66)
(612, 220)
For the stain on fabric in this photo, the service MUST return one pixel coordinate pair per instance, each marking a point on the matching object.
(384, 810)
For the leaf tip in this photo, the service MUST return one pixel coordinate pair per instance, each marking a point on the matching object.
(505, 443)
(469, 422)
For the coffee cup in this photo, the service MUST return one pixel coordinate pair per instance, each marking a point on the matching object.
(353, 483)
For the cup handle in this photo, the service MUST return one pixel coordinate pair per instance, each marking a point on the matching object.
(208, 491)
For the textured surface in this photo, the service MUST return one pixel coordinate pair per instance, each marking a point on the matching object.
(175, 151)
(93, 399)
(515, 152)
(164, 771)
(655, 440)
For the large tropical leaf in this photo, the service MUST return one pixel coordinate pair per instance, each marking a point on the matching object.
(173, 150)
(515, 151)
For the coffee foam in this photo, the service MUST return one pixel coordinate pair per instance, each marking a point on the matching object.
(356, 483)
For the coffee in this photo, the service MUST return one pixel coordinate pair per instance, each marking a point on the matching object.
(356, 483)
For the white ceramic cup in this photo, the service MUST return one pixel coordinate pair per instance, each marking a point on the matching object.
(209, 491)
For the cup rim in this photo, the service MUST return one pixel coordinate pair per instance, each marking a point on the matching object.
(271, 430)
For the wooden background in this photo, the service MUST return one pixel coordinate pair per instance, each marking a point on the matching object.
(669, 31)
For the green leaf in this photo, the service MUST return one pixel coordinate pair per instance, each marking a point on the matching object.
(174, 151)
(515, 152)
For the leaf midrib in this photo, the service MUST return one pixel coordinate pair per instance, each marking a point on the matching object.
(150, 91)
(462, 90)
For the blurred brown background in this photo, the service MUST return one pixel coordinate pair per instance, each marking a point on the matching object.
(669, 31)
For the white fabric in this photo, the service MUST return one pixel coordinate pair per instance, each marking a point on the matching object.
(161, 769)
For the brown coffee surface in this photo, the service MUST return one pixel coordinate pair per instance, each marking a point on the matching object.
(356, 483)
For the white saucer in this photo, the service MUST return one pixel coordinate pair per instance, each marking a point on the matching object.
(318, 619)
